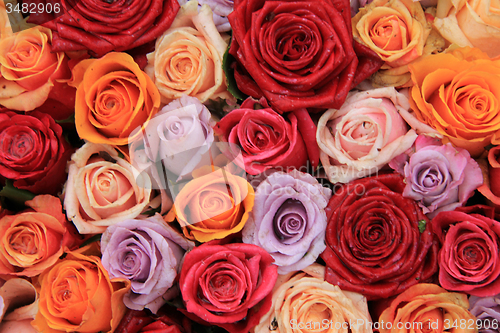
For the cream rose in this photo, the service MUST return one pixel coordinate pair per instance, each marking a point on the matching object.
(304, 302)
(103, 189)
(188, 57)
(474, 23)
(365, 133)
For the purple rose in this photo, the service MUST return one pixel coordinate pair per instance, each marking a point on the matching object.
(288, 219)
(487, 312)
(147, 252)
(220, 10)
(439, 177)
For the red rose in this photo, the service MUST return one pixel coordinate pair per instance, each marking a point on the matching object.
(105, 26)
(228, 285)
(33, 152)
(469, 255)
(374, 245)
(168, 320)
(298, 54)
(268, 139)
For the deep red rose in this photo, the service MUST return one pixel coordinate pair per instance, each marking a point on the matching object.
(374, 245)
(298, 54)
(228, 285)
(469, 256)
(33, 152)
(103, 26)
(268, 139)
(168, 320)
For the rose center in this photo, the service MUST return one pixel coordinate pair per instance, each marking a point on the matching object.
(389, 33)
(24, 242)
(290, 221)
(20, 145)
(174, 127)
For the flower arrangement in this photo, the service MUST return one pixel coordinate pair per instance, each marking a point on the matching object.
(249, 166)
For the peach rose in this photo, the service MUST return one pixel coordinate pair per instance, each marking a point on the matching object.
(103, 189)
(114, 97)
(428, 308)
(212, 206)
(30, 73)
(490, 168)
(474, 23)
(365, 134)
(33, 240)
(5, 28)
(456, 93)
(188, 57)
(18, 302)
(398, 31)
(76, 295)
(304, 302)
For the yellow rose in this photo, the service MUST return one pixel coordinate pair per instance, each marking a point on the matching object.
(29, 70)
(76, 295)
(188, 57)
(212, 206)
(474, 23)
(398, 31)
(304, 302)
(457, 93)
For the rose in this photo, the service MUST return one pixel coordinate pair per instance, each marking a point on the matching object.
(148, 253)
(487, 312)
(365, 134)
(5, 28)
(298, 55)
(289, 220)
(212, 206)
(33, 240)
(76, 295)
(468, 259)
(102, 189)
(113, 98)
(398, 31)
(429, 307)
(305, 302)
(188, 57)
(470, 23)
(491, 173)
(466, 111)
(179, 137)
(439, 177)
(33, 151)
(267, 139)
(228, 285)
(18, 303)
(32, 72)
(373, 242)
(220, 9)
(169, 320)
(104, 26)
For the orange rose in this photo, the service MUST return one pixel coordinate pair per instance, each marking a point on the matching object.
(30, 72)
(114, 97)
(76, 295)
(212, 206)
(5, 28)
(398, 31)
(33, 240)
(456, 93)
(428, 308)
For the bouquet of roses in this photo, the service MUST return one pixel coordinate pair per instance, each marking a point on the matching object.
(249, 166)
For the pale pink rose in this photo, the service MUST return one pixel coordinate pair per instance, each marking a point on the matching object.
(103, 189)
(364, 134)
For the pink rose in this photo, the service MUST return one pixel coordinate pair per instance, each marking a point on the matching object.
(439, 177)
(364, 134)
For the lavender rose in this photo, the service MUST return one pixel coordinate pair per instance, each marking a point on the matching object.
(288, 219)
(487, 312)
(147, 252)
(439, 177)
(220, 10)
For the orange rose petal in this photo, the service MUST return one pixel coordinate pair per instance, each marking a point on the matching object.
(47, 204)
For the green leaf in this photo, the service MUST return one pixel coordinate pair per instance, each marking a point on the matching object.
(92, 239)
(152, 212)
(69, 120)
(421, 225)
(14, 194)
(232, 87)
